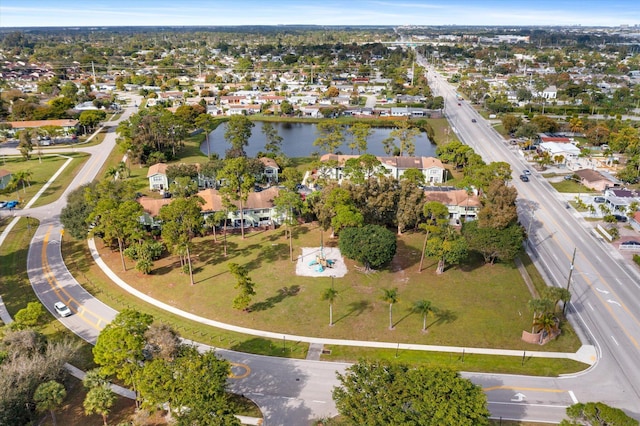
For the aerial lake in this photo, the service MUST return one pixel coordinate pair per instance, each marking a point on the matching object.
(298, 138)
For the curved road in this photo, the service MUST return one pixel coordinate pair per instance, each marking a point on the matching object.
(295, 391)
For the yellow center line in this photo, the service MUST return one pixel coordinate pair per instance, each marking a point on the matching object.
(606, 305)
(62, 293)
(519, 388)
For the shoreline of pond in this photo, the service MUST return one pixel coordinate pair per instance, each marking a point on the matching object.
(299, 128)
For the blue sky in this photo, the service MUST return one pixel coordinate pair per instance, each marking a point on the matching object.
(37, 13)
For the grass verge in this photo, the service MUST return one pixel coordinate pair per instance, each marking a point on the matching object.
(41, 172)
(461, 361)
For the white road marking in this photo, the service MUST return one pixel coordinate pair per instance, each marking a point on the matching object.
(573, 397)
(519, 397)
(319, 402)
(602, 291)
(590, 306)
(613, 302)
(531, 405)
(614, 341)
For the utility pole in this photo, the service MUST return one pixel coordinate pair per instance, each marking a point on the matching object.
(573, 259)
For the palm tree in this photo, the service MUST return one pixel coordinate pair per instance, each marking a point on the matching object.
(21, 177)
(330, 294)
(99, 400)
(539, 308)
(424, 308)
(49, 396)
(546, 323)
(390, 296)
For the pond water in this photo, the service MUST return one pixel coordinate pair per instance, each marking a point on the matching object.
(298, 138)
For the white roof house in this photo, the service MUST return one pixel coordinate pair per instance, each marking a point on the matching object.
(568, 150)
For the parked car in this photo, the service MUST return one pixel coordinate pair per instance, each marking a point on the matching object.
(599, 200)
(62, 309)
(620, 218)
(11, 204)
(2, 204)
(630, 244)
(526, 172)
(524, 178)
(473, 120)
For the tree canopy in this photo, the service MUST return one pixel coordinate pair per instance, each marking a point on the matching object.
(372, 245)
(597, 414)
(384, 393)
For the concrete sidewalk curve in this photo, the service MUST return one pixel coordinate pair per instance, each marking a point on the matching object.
(586, 354)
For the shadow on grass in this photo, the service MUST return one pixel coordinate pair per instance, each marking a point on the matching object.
(443, 316)
(402, 319)
(355, 309)
(270, 302)
(257, 345)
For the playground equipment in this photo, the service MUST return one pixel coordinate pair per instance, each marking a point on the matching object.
(321, 262)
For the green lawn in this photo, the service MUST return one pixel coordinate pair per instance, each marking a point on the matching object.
(41, 173)
(481, 305)
(571, 186)
(458, 361)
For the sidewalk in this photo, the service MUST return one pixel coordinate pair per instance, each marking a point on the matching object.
(586, 354)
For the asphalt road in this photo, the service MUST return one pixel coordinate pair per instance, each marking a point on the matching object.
(605, 291)
(294, 391)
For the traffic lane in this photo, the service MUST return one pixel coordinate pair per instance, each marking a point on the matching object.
(285, 387)
(590, 262)
(52, 282)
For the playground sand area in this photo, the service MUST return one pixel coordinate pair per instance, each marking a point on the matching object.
(321, 262)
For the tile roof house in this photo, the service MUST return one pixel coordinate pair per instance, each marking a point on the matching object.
(463, 206)
(431, 168)
(157, 176)
(270, 169)
(67, 125)
(259, 209)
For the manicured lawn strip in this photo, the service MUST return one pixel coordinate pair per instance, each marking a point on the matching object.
(468, 362)
(481, 305)
(79, 262)
(571, 186)
(55, 190)
(41, 173)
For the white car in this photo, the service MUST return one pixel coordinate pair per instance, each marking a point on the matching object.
(62, 309)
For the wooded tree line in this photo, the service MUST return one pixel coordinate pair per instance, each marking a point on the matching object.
(165, 373)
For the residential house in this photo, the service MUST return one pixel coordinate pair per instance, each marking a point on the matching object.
(565, 151)
(151, 207)
(5, 178)
(431, 168)
(270, 170)
(619, 200)
(258, 209)
(312, 111)
(596, 180)
(463, 205)
(68, 126)
(157, 176)
(550, 93)
(634, 221)
(243, 109)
